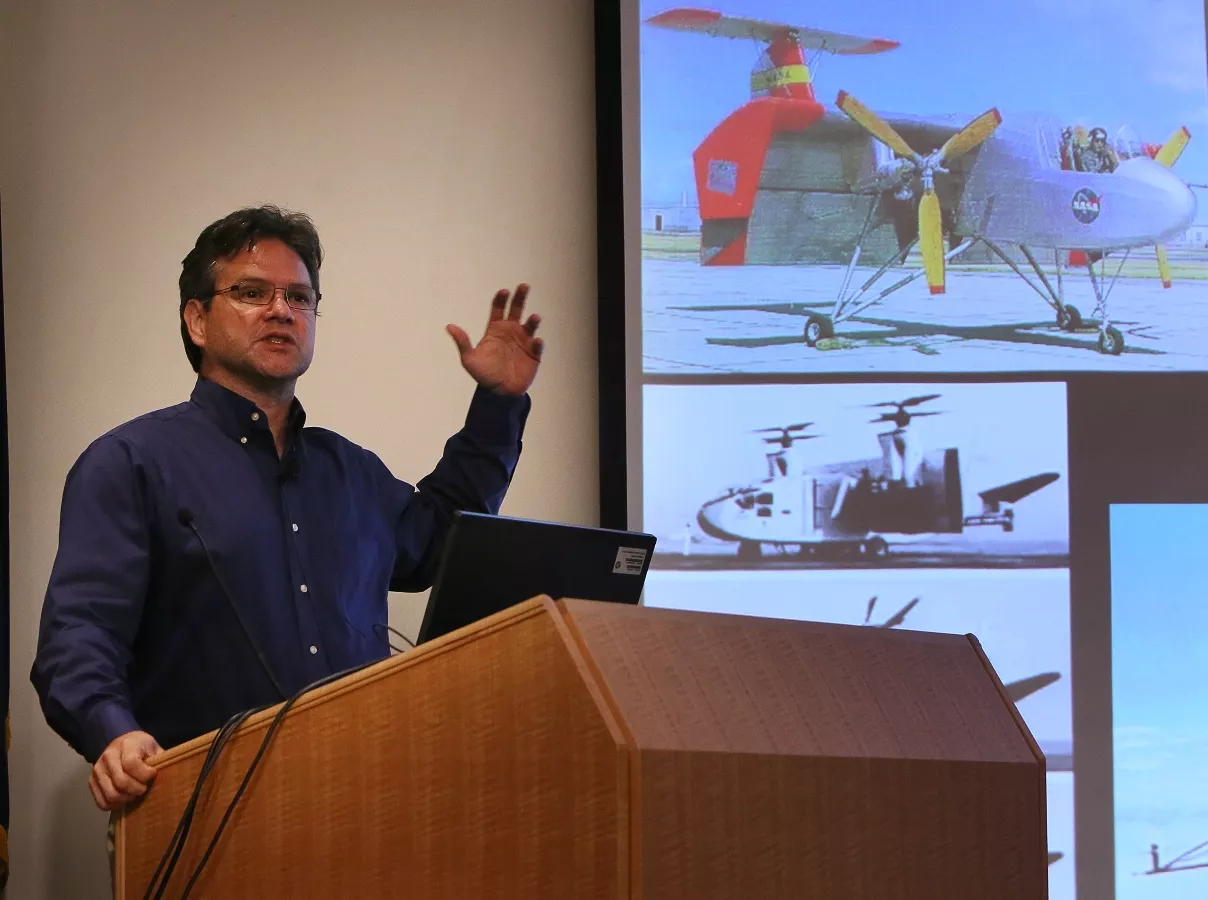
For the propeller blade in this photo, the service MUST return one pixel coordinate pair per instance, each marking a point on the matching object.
(875, 125)
(796, 427)
(868, 613)
(1025, 687)
(915, 401)
(972, 135)
(1173, 148)
(931, 240)
(1163, 265)
(900, 616)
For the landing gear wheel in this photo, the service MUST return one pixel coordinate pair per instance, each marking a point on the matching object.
(1111, 342)
(817, 328)
(875, 548)
(1068, 318)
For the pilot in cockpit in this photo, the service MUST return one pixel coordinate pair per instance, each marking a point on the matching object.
(1097, 156)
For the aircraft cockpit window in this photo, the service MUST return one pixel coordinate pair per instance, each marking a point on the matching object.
(1048, 145)
(764, 499)
(764, 512)
(746, 501)
(1088, 150)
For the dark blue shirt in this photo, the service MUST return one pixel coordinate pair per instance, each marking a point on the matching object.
(136, 633)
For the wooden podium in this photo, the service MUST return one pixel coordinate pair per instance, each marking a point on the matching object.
(579, 750)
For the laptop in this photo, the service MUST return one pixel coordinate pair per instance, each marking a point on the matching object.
(493, 562)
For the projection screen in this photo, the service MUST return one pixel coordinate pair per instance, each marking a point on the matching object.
(904, 323)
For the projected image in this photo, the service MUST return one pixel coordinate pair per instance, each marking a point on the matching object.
(1021, 619)
(856, 475)
(1160, 700)
(849, 187)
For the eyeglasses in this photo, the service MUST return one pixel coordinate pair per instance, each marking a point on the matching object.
(259, 292)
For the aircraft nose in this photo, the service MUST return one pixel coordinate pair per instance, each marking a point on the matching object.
(708, 524)
(1181, 200)
(1175, 207)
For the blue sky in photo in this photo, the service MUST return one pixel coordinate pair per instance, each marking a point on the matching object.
(1160, 694)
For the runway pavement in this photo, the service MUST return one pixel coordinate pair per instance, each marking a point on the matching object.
(750, 319)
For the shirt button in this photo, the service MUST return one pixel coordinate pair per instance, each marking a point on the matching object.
(304, 589)
(256, 417)
(295, 526)
(313, 649)
(243, 440)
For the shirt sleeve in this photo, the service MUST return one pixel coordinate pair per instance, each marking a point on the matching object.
(473, 474)
(94, 600)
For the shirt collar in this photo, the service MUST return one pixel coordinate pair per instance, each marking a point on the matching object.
(238, 416)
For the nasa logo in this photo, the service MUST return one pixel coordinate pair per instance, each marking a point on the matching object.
(723, 176)
(1085, 205)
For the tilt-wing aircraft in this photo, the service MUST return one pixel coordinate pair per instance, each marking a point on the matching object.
(785, 179)
(855, 509)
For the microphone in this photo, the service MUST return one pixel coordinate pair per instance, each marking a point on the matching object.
(185, 516)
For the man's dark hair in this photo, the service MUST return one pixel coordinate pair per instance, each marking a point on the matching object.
(227, 237)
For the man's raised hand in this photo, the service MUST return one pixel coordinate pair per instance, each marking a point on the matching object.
(506, 359)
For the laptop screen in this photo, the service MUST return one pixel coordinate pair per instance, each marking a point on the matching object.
(493, 562)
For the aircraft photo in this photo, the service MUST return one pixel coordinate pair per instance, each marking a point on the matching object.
(1159, 700)
(830, 234)
(1021, 619)
(964, 475)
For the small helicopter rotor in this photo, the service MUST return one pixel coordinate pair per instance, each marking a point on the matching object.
(786, 435)
(900, 416)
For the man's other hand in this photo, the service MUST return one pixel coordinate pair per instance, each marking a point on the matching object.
(506, 359)
(122, 774)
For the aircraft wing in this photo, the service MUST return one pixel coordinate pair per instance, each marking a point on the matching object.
(715, 24)
(1025, 687)
(1017, 490)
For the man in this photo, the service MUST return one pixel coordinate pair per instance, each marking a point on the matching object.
(1098, 157)
(216, 555)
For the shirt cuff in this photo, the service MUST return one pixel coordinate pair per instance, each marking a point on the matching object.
(497, 415)
(105, 722)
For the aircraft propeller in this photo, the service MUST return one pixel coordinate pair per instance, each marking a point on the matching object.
(786, 439)
(973, 135)
(900, 416)
(1168, 156)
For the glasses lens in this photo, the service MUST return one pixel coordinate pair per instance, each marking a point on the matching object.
(254, 291)
(301, 297)
(260, 293)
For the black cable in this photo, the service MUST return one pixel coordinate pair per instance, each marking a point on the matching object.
(276, 723)
(172, 853)
(384, 626)
(186, 518)
(184, 824)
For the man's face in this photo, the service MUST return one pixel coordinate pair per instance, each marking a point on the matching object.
(259, 345)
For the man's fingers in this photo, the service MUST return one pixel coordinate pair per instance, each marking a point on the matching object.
(136, 767)
(498, 305)
(538, 347)
(531, 325)
(98, 796)
(460, 338)
(111, 767)
(113, 797)
(518, 302)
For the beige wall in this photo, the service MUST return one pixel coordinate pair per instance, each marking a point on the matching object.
(444, 148)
